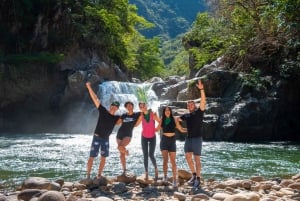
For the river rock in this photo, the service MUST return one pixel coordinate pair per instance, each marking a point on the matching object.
(220, 196)
(141, 179)
(179, 196)
(79, 186)
(295, 186)
(103, 199)
(199, 197)
(36, 183)
(119, 187)
(295, 177)
(228, 190)
(27, 194)
(51, 196)
(128, 177)
(243, 197)
(184, 174)
(286, 182)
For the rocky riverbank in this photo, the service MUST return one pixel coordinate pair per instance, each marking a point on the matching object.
(130, 187)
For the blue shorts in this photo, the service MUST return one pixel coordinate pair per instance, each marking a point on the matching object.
(96, 144)
(193, 145)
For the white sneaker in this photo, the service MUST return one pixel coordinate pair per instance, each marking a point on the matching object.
(175, 184)
(165, 179)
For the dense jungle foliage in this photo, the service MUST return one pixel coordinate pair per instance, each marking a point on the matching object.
(44, 31)
(252, 36)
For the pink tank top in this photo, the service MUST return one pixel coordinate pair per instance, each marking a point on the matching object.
(148, 127)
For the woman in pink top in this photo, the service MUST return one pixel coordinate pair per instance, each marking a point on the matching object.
(148, 139)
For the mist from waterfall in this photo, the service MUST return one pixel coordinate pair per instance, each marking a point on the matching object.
(110, 91)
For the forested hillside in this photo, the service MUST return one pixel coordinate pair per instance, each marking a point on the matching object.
(171, 17)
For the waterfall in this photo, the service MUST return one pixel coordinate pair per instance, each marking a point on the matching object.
(126, 91)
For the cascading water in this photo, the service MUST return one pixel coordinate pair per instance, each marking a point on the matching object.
(125, 91)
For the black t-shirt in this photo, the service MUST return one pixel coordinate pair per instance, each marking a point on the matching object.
(106, 122)
(194, 122)
(170, 127)
(128, 123)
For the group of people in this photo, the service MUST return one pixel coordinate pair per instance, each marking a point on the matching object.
(167, 123)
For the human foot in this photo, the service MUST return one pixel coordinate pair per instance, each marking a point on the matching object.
(156, 173)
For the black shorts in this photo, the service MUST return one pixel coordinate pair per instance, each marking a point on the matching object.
(121, 135)
(168, 143)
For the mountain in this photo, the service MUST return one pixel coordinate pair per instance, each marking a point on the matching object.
(171, 17)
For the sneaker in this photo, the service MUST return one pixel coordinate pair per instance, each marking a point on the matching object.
(197, 182)
(156, 174)
(192, 180)
(175, 184)
(165, 179)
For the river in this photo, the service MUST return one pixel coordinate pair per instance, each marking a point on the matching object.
(59, 155)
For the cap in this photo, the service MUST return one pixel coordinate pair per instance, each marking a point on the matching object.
(115, 103)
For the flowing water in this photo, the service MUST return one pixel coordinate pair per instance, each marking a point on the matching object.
(61, 155)
(54, 156)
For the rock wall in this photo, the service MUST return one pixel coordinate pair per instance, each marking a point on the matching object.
(45, 98)
(236, 111)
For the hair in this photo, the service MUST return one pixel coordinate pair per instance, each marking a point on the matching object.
(128, 102)
(163, 114)
(190, 101)
(140, 103)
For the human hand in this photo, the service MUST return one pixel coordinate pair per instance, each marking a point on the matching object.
(88, 84)
(200, 85)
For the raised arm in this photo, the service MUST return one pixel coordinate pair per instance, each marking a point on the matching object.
(200, 86)
(92, 94)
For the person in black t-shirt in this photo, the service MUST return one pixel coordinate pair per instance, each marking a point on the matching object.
(193, 141)
(129, 121)
(106, 122)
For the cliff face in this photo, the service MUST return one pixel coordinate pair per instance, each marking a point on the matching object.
(236, 111)
(39, 98)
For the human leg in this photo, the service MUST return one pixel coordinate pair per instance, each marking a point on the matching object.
(165, 162)
(101, 166)
(122, 154)
(190, 162)
(89, 166)
(123, 143)
(104, 143)
(152, 144)
(172, 156)
(94, 150)
(197, 148)
(144, 143)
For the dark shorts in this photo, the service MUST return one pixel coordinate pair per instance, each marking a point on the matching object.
(98, 143)
(193, 145)
(168, 143)
(121, 136)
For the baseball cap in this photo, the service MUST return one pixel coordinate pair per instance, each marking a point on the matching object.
(115, 103)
